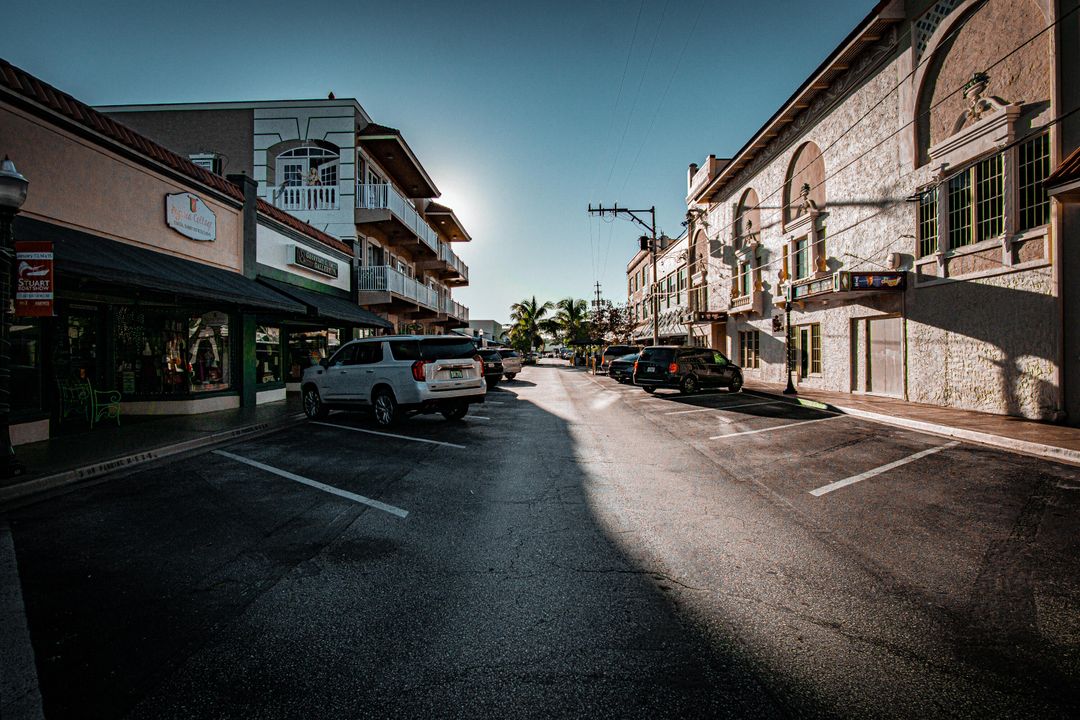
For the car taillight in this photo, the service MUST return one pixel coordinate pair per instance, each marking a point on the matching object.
(635, 366)
(418, 370)
(673, 368)
(477, 358)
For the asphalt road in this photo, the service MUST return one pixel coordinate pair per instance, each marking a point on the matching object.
(574, 548)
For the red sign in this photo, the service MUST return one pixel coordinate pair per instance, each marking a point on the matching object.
(35, 280)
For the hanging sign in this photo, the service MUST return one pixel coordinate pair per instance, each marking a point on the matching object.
(188, 215)
(882, 281)
(34, 279)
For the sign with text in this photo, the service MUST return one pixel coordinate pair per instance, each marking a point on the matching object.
(883, 281)
(35, 279)
(188, 215)
(305, 258)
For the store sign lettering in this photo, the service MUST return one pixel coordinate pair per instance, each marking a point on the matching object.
(188, 215)
(816, 287)
(35, 279)
(875, 281)
(307, 259)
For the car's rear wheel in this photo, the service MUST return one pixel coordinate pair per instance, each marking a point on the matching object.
(510, 376)
(689, 385)
(648, 389)
(386, 410)
(492, 381)
(736, 383)
(455, 411)
(313, 404)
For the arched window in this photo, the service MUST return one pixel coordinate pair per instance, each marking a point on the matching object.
(805, 186)
(747, 219)
(307, 165)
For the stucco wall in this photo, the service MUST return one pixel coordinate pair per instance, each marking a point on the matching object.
(77, 183)
(187, 132)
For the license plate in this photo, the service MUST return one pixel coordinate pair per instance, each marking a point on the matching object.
(455, 375)
(650, 369)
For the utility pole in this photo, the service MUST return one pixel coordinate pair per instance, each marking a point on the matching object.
(648, 243)
(596, 302)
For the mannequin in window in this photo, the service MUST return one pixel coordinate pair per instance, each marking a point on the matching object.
(313, 177)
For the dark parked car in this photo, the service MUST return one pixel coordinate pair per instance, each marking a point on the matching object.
(610, 353)
(493, 366)
(622, 368)
(686, 369)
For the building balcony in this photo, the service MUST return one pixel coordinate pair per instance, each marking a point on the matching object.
(306, 197)
(383, 285)
(447, 266)
(395, 217)
(751, 302)
(452, 314)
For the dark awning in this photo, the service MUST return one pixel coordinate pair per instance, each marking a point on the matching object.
(330, 306)
(109, 261)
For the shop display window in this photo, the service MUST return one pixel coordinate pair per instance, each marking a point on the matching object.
(307, 348)
(268, 365)
(25, 336)
(166, 351)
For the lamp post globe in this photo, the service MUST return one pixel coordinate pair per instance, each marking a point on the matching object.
(13, 188)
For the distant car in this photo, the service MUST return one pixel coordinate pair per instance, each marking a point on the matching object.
(493, 366)
(529, 359)
(511, 363)
(622, 368)
(686, 369)
(395, 376)
(610, 353)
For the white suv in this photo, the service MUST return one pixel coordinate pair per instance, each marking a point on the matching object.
(397, 375)
(511, 363)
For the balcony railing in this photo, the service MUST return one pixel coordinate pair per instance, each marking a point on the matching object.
(383, 278)
(447, 255)
(383, 196)
(307, 197)
(453, 309)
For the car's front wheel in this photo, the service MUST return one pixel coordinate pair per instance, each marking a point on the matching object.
(510, 376)
(313, 405)
(736, 383)
(386, 410)
(689, 385)
(648, 389)
(455, 411)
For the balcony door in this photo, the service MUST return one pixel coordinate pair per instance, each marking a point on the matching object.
(308, 166)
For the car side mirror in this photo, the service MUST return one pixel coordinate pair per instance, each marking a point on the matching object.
(325, 362)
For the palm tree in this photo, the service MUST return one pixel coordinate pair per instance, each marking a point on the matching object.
(528, 317)
(571, 319)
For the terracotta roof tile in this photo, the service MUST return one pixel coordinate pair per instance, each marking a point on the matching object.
(1067, 171)
(300, 226)
(376, 129)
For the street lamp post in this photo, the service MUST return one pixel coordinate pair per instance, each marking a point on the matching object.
(12, 195)
(790, 389)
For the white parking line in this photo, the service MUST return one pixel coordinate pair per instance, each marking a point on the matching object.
(725, 407)
(317, 485)
(390, 435)
(770, 429)
(21, 694)
(877, 471)
(477, 417)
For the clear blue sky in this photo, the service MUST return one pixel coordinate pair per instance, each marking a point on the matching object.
(523, 113)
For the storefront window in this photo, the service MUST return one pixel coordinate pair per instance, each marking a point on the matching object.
(164, 352)
(307, 348)
(268, 368)
(25, 338)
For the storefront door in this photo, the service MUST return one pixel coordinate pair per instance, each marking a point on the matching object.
(886, 368)
(79, 347)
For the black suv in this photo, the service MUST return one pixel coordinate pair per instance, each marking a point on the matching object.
(686, 369)
(493, 366)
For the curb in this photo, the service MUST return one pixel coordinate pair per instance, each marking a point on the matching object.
(86, 472)
(1024, 447)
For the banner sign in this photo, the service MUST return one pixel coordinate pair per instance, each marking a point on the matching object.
(814, 287)
(188, 215)
(305, 258)
(35, 279)
(883, 281)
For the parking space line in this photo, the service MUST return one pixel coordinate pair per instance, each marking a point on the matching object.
(389, 435)
(770, 429)
(21, 696)
(879, 470)
(315, 484)
(725, 407)
(477, 417)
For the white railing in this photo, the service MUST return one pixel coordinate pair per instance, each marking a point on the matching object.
(453, 309)
(447, 255)
(383, 196)
(307, 197)
(386, 279)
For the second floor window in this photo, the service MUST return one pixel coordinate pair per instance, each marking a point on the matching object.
(307, 166)
(802, 258)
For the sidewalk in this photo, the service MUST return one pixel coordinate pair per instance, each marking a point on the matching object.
(82, 455)
(1030, 437)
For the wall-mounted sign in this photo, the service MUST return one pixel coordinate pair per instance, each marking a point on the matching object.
(710, 315)
(880, 281)
(305, 258)
(188, 215)
(35, 281)
(802, 290)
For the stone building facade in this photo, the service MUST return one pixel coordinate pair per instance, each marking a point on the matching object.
(896, 201)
